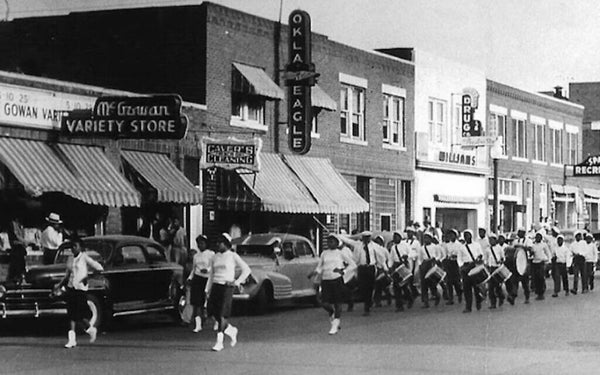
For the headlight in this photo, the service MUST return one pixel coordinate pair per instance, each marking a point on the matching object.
(2, 291)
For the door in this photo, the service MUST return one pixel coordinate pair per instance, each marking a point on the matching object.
(161, 272)
(297, 262)
(129, 277)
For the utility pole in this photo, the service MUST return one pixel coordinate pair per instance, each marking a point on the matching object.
(276, 78)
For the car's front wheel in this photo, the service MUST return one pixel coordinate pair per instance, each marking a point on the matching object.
(262, 301)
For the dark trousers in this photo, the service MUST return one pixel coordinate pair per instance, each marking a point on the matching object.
(512, 285)
(382, 290)
(538, 277)
(454, 285)
(579, 272)
(559, 272)
(589, 268)
(366, 284)
(495, 289)
(49, 255)
(427, 286)
(469, 287)
(402, 293)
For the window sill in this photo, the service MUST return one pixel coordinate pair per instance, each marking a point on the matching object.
(525, 160)
(353, 141)
(539, 162)
(239, 123)
(388, 146)
(557, 165)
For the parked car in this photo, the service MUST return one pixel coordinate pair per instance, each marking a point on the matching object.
(136, 279)
(280, 263)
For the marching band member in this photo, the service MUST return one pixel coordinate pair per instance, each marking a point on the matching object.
(591, 257)
(579, 270)
(220, 285)
(427, 258)
(198, 279)
(350, 285)
(332, 265)
(399, 252)
(468, 257)
(414, 245)
(493, 258)
(525, 243)
(382, 280)
(453, 248)
(540, 255)
(560, 256)
(483, 240)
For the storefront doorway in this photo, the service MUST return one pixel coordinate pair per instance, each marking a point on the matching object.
(456, 218)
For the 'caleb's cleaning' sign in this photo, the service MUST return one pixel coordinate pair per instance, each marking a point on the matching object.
(146, 117)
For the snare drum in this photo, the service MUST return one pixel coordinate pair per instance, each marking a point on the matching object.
(501, 274)
(479, 274)
(435, 275)
(402, 275)
(383, 278)
(522, 265)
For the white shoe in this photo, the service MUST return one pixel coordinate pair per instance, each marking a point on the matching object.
(335, 325)
(232, 332)
(219, 344)
(198, 324)
(72, 342)
(92, 331)
(216, 326)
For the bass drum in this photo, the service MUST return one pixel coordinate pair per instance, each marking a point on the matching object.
(521, 263)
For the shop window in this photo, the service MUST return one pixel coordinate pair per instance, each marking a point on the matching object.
(315, 121)
(520, 139)
(436, 113)
(557, 146)
(543, 200)
(248, 108)
(352, 112)
(393, 121)
(386, 222)
(540, 144)
(498, 122)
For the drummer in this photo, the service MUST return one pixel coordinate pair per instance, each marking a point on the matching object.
(453, 248)
(427, 258)
(469, 256)
(351, 285)
(483, 240)
(414, 245)
(381, 285)
(540, 256)
(399, 256)
(512, 285)
(560, 255)
(578, 248)
(494, 258)
(591, 258)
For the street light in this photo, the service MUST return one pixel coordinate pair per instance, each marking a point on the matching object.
(495, 154)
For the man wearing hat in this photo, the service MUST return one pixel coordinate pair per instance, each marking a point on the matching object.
(52, 238)
(560, 256)
(453, 248)
(365, 256)
(578, 248)
(540, 256)
(428, 256)
(382, 281)
(414, 246)
(469, 256)
(591, 257)
(399, 253)
(494, 257)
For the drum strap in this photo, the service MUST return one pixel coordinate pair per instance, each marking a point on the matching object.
(397, 253)
(494, 254)
(426, 251)
(470, 253)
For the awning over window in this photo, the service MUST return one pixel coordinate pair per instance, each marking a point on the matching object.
(260, 81)
(328, 187)
(82, 172)
(593, 193)
(456, 199)
(320, 99)
(170, 183)
(564, 189)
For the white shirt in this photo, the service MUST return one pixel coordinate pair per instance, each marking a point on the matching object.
(223, 267)
(332, 259)
(432, 249)
(51, 238)
(397, 252)
(562, 253)
(497, 251)
(525, 241)
(484, 243)
(201, 263)
(360, 258)
(578, 247)
(78, 270)
(541, 252)
(453, 249)
(591, 252)
(464, 256)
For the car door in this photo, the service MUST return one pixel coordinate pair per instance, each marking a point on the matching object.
(306, 262)
(294, 265)
(161, 272)
(129, 277)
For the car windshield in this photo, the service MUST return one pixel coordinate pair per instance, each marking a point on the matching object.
(257, 250)
(96, 250)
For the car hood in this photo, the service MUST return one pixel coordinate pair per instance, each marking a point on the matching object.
(45, 276)
(257, 261)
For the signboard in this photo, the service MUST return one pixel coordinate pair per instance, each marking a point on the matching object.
(470, 126)
(589, 167)
(37, 108)
(456, 158)
(230, 153)
(478, 141)
(300, 76)
(146, 117)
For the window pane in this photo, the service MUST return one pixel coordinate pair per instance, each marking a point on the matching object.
(386, 125)
(343, 123)
(430, 111)
(440, 112)
(355, 125)
(344, 99)
(386, 107)
(355, 101)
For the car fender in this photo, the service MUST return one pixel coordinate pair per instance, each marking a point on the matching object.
(282, 285)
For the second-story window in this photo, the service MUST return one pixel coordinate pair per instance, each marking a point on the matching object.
(352, 112)
(520, 138)
(557, 146)
(498, 122)
(572, 148)
(393, 120)
(436, 113)
(540, 141)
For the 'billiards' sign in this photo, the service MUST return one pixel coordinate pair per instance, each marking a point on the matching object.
(299, 77)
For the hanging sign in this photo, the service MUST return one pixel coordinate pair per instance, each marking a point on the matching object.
(145, 117)
(230, 153)
(589, 167)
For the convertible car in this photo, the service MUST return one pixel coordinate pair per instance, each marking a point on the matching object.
(136, 279)
(280, 263)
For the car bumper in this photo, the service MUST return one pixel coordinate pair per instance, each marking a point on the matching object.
(34, 311)
(241, 297)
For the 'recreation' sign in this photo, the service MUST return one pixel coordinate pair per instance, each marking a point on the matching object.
(589, 167)
(300, 76)
(146, 117)
(230, 153)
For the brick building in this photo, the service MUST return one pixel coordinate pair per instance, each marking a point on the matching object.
(231, 62)
(540, 137)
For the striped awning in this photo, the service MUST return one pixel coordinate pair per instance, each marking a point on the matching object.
(593, 193)
(564, 189)
(170, 183)
(278, 189)
(320, 99)
(259, 80)
(82, 172)
(329, 188)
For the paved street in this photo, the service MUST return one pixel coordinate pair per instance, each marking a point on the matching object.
(555, 336)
